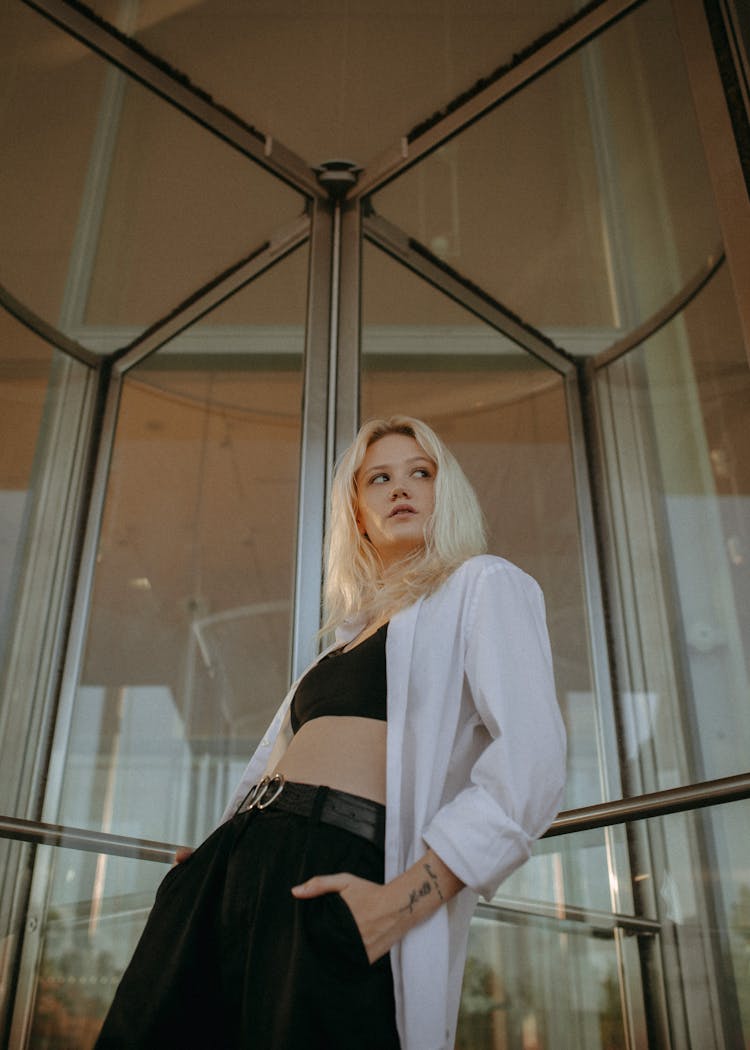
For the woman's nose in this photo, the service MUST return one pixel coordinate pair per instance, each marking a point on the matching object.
(398, 490)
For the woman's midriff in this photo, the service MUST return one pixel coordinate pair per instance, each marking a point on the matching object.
(345, 753)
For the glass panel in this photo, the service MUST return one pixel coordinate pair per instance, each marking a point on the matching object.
(95, 909)
(187, 651)
(540, 977)
(583, 202)
(43, 418)
(504, 415)
(675, 419)
(535, 977)
(541, 985)
(180, 207)
(45, 407)
(50, 89)
(590, 870)
(145, 205)
(26, 367)
(407, 57)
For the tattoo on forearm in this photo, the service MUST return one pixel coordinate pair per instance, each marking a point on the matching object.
(435, 881)
(415, 895)
(424, 890)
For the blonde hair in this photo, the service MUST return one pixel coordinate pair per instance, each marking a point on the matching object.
(355, 582)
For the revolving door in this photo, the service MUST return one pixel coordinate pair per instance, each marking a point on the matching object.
(545, 267)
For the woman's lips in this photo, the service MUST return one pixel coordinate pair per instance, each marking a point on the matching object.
(402, 508)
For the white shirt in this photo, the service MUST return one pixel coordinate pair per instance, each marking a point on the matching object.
(475, 764)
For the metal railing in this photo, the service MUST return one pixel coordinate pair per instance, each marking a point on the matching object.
(586, 818)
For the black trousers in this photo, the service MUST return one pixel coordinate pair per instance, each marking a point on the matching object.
(229, 959)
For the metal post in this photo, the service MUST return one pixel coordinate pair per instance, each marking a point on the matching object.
(312, 477)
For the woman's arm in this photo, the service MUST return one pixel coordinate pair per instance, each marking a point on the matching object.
(385, 914)
(515, 785)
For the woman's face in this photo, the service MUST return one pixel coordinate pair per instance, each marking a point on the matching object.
(396, 496)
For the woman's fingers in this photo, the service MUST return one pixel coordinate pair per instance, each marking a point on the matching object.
(321, 884)
(182, 854)
(373, 914)
(365, 900)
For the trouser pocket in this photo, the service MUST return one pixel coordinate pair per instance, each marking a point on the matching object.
(328, 923)
(333, 934)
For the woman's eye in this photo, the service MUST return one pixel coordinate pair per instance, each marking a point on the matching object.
(422, 472)
(378, 479)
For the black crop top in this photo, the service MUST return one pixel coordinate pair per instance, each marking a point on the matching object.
(345, 683)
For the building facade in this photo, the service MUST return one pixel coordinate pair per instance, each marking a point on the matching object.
(538, 242)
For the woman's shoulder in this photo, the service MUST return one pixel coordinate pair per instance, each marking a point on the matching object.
(485, 581)
(494, 589)
(488, 566)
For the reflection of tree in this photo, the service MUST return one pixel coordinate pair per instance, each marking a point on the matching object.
(739, 929)
(74, 989)
(481, 998)
(611, 1028)
(528, 1014)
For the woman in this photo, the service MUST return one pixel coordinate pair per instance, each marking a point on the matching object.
(337, 916)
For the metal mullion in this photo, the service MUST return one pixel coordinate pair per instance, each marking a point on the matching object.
(193, 102)
(286, 240)
(313, 494)
(83, 252)
(582, 438)
(584, 451)
(502, 908)
(664, 315)
(405, 153)
(333, 350)
(102, 431)
(46, 331)
(41, 618)
(82, 601)
(740, 54)
(349, 327)
(641, 1009)
(398, 244)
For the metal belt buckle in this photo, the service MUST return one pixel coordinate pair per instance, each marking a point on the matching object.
(262, 794)
(273, 787)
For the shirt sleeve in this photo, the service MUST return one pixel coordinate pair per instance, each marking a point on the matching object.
(515, 787)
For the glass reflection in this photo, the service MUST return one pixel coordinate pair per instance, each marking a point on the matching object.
(675, 416)
(162, 234)
(26, 368)
(540, 984)
(145, 207)
(188, 644)
(97, 907)
(50, 89)
(45, 399)
(588, 870)
(583, 202)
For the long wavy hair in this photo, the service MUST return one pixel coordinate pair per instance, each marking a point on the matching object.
(356, 584)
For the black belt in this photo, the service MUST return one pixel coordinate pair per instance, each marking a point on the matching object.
(360, 816)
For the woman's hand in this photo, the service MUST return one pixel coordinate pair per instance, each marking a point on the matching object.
(182, 854)
(385, 914)
(369, 904)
